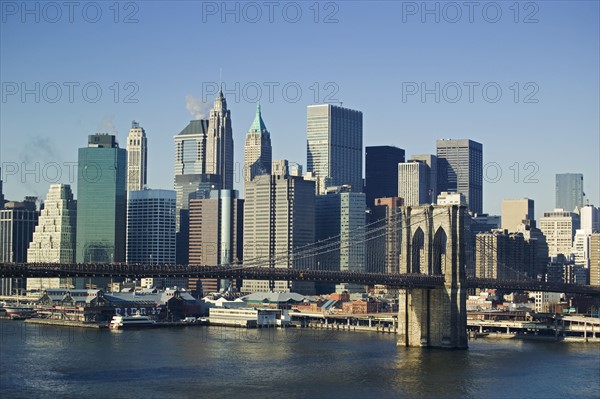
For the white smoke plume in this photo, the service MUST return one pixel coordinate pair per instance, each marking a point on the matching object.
(195, 106)
(107, 125)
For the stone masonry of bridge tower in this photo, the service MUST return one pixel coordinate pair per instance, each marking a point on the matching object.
(434, 240)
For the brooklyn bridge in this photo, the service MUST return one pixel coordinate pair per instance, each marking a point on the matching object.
(405, 280)
(429, 273)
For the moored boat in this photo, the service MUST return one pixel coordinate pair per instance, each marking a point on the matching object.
(137, 321)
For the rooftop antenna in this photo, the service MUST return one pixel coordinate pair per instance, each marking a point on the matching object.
(220, 79)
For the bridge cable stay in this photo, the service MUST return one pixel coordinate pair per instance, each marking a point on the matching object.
(331, 244)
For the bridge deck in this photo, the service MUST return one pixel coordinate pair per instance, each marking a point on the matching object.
(409, 280)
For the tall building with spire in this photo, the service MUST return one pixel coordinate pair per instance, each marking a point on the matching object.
(219, 143)
(203, 162)
(137, 158)
(257, 150)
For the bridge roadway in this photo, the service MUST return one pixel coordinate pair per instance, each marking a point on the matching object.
(409, 280)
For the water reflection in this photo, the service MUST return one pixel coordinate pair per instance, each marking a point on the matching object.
(42, 361)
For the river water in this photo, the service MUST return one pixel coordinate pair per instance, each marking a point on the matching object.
(216, 362)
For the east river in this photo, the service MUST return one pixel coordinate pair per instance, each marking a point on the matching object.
(214, 362)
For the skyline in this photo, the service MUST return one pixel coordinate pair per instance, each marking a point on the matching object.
(394, 57)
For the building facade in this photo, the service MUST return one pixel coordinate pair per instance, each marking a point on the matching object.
(219, 143)
(384, 234)
(334, 146)
(590, 218)
(517, 211)
(279, 216)
(504, 256)
(340, 217)
(559, 227)
(413, 187)
(569, 191)
(101, 201)
(257, 149)
(151, 227)
(595, 259)
(17, 224)
(137, 158)
(432, 184)
(53, 240)
(460, 169)
(215, 235)
(381, 172)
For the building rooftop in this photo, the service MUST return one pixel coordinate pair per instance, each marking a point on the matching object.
(198, 126)
(258, 126)
(274, 297)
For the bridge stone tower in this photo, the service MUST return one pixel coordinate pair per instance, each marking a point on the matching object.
(434, 240)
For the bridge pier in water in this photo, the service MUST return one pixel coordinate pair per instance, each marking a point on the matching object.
(433, 242)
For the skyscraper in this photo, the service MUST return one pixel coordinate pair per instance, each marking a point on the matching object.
(340, 215)
(190, 166)
(215, 234)
(590, 218)
(432, 162)
(17, 224)
(101, 201)
(381, 172)
(53, 240)
(595, 259)
(257, 150)
(137, 158)
(559, 228)
(1, 192)
(413, 179)
(151, 227)
(334, 146)
(516, 212)
(203, 162)
(460, 169)
(279, 216)
(219, 143)
(569, 191)
(504, 256)
(383, 246)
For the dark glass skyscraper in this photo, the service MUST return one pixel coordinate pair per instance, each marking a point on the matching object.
(569, 191)
(101, 201)
(460, 169)
(17, 224)
(381, 174)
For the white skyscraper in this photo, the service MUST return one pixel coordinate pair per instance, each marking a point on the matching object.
(559, 228)
(413, 183)
(151, 227)
(54, 237)
(590, 218)
(137, 158)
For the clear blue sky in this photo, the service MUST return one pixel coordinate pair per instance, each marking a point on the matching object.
(371, 56)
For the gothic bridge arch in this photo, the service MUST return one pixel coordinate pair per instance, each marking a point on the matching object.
(433, 242)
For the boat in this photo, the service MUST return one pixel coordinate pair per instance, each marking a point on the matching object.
(18, 312)
(137, 321)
